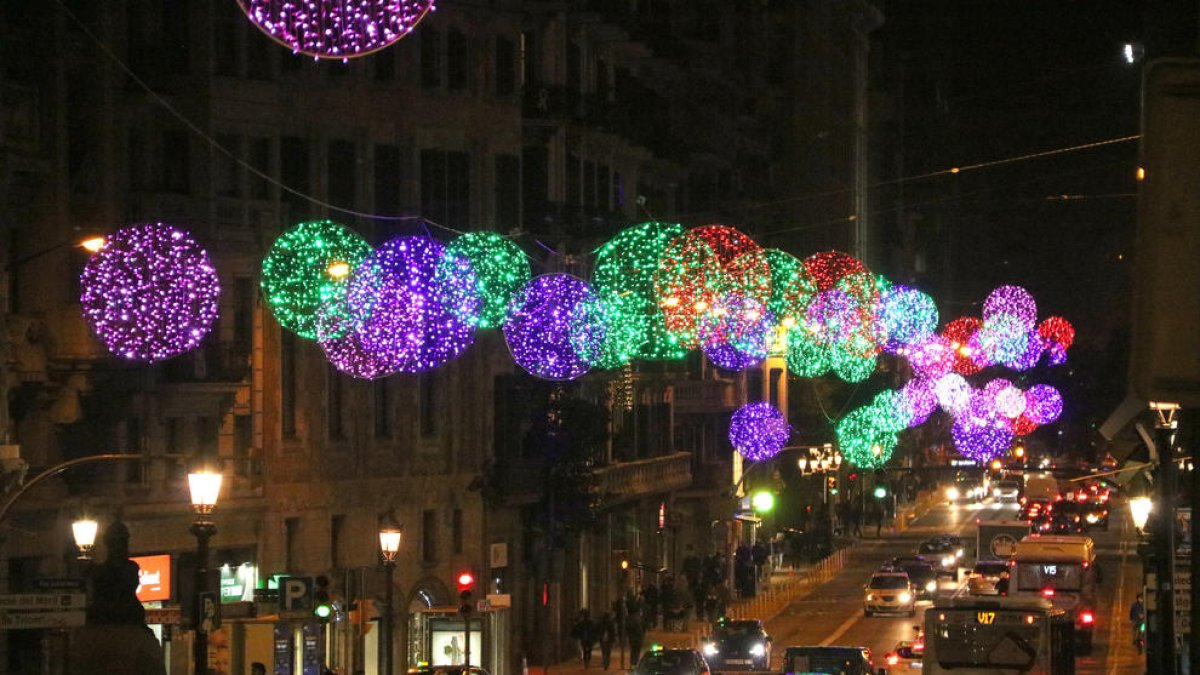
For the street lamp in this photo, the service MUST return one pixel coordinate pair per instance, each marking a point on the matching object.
(205, 485)
(84, 531)
(1139, 509)
(390, 535)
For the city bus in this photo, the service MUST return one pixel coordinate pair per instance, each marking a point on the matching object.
(1061, 569)
(972, 635)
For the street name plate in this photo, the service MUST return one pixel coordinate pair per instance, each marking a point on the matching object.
(24, 620)
(43, 601)
(60, 584)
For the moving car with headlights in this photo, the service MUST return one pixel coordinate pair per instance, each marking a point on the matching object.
(659, 661)
(889, 592)
(966, 490)
(983, 578)
(920, 573)
(944, 554)
(905, 659)
(1007, 491)
(828, 661)
(738, 645)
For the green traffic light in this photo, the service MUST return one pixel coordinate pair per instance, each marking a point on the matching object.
(880, 492)
(762, 502)
(323, 611)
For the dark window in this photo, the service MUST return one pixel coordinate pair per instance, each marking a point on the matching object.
(287, 382)
(243, 441)
(337, 524)
(428, 393)
(506, 67)
(243, 317)
(383, 409)
(535, 182)
(573, 179)
(431, 62)
(227, 169)
(457, 58)
(508, 192)
(429, 536)
(259, 154)
(387, 180)
(291, 543)
(335, 393)
(342, 167)
(175, 36)
(174, 439)
(207, 432)
(457, 528)
(446, 187)
(293, 171)
(176, 162)
(385, 65)
(530, 63)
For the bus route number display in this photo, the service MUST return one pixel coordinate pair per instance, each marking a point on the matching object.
(985, 618)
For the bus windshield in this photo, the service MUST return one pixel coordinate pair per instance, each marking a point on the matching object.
(1000, 644)
(1035, 576)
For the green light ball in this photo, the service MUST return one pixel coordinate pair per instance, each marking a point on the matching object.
(501, 271)
(305, 274)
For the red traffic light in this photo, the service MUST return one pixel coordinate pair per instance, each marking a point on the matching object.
(466, 581)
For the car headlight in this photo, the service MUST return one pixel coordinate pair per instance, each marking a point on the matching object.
(952, 494)
(948, 560)
(1093, 518)
(996, 492)
(958, 553)
(906, 597)
(758, 650)
(710, 649)
(931, 586)
(870, 597)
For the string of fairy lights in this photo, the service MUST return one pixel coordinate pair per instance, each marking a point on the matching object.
(657, 291)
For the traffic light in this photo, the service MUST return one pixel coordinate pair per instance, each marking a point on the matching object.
(880, 492)
(831, 484)
(762, 501)
(322, 604)
(466, 586)
(624, 565)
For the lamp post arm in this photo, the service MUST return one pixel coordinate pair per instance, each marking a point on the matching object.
(57, 469)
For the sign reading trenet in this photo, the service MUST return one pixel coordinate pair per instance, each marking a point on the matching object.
(154, 577)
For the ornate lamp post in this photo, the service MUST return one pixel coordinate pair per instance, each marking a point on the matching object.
(84, 531)
(205, 486)
(389, 545)
(1139, 510)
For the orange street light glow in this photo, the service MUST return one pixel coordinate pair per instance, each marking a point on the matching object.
(93, 244)
(339, 270)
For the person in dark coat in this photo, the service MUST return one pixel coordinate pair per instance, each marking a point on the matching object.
(584, 633)
(760, 554)
(650, 601)
(635, 632)
(607, 633)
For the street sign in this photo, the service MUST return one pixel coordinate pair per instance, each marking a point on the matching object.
(210, 612)
(42, 601)
(60, 584)
(295, 594)
(168, 616)
(1183, 597)
(24, 620)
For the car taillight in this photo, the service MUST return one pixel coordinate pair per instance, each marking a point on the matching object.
(1086, 617)
(1047, 592)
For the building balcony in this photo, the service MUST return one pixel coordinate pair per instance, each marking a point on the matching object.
(705, 396)
(630, 480)
(212, 362)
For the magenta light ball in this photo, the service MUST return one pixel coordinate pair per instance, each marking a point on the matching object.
(982, 442)
(414, 304)
(150, 292)
(335, 29)
(1013, 301)
(1043, 403)
(555, 328)
(758, 431)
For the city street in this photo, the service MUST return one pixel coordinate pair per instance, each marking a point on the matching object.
(833, 614)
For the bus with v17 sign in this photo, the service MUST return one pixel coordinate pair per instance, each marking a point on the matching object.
(971, 635)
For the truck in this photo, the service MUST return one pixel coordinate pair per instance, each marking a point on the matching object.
(997, 540)
(1043, 486)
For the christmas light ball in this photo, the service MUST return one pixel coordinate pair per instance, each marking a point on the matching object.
(982, 442)
(501, 270)
(1056, 355)
(960, 332)
(738, 333)
(743, 261)
(689, 281)
(850, 365)
(1001, 339)
(414, 303)
(829, 267)
(624, 277)
(806, 356)
(1023, 426)
(931, 358)
(907, 316)
(1058, 331)
(921, 399)
(1012, 301)
(556, 328)
(1034, 346)
(758, 431)
(833, 316)
(862, 442)
(1043, 404)
(307, 271)
(335, 29)
(890, 411)
(1010, 402)
(349, 355)
(953, 393)
(791, 287)
(150, 292)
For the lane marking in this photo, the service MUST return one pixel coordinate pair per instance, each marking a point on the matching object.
(841, 630)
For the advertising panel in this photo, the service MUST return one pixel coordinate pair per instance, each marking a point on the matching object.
(154, 577)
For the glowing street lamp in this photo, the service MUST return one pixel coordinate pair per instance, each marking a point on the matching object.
(84, 531)
(205, 485)
(1139, 510)
(390, 536)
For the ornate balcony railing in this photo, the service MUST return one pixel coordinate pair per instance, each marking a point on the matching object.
(630, 480)
(705, 396)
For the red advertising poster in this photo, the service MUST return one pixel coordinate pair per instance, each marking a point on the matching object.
(154, 577)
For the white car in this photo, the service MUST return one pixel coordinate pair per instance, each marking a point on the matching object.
(889, 592)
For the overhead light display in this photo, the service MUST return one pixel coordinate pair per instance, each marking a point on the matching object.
(501, 270)
(758, 431)
(555, 330)
(335, 29)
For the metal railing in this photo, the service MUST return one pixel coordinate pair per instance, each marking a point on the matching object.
(628, 480)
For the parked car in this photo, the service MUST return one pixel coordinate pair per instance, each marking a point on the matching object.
(659, 661)
(889, 592)
(828, 661)
(738, 645)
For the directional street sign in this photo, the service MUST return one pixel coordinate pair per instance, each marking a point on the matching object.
(63, 584)
(43, 601)
(19, 620)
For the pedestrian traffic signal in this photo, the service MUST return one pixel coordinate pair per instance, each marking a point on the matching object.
(466, 584)
(762, 501)
(322, 604)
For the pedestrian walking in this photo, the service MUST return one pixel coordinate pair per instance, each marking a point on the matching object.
(759, 553)
(635, 632)
(584, 633)
(607, 633)
(650, 600)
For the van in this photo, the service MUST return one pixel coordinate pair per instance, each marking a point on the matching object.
(1062, 570)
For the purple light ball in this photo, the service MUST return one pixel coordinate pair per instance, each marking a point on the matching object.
(414, 304)
(335, 29)
(981, 442)
(921, 398)
(738, 333)
(833, 316)
(150, 292)
(344, 348)
(953, 393)
(1012, 301)
(1043, 403)
(758, 431)
(555, 328)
